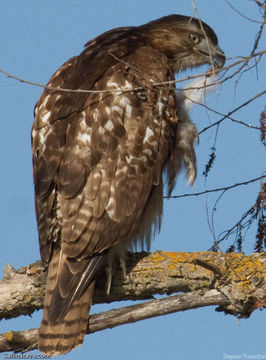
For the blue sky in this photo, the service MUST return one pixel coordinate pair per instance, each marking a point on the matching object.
(37, 37)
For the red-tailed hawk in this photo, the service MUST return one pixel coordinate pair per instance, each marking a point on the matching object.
(99, 156)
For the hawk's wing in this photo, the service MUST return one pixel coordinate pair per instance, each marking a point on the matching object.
(100, 161)
(97, 158)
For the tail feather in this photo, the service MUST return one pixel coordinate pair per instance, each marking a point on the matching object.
(66, 314)
(65, 335)
(72, 284)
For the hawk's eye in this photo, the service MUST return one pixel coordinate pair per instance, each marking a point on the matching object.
(194, 38)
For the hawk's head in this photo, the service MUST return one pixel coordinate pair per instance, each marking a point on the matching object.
(186, 41)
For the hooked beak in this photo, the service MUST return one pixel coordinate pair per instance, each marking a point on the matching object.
(218, 56)
(214, 54)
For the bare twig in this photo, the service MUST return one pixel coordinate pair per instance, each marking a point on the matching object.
(254, 212)
(225, 115)
(215, 190)
(244, 60)
(234, 110)
(258, 37)
(205, 35)
(260, 4)
(62, 89)
(241, 14)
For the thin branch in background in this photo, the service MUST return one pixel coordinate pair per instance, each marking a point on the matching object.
(244, 71)
(205, 35)
(260, 4)
(258, 37)
(243, 123)
(211, 224)
(255, 212)
(225, 115)
(11, 76)
(241, 14)
(244, 60)
(234, 110)
(244, 63)
(82, 91)
(216, 190)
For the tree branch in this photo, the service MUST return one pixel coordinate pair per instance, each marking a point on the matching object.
(260, 4)
(225, 188)
(241, 14)
(243, 62)
(233, 111)
(28, 339)
(234, 282)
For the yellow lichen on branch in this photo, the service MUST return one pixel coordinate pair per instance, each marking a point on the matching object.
(233, 282)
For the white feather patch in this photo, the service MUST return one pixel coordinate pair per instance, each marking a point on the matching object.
(148, 133)
(197, 90)
(45, 100)
(109, 125)
(84, 137)
(46, 117)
